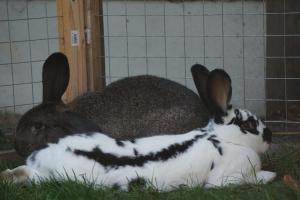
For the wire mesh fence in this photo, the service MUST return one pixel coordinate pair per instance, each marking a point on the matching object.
(256, 41)
(28, 34)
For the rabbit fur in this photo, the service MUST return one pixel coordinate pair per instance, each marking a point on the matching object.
(143, 106)
(225, 152)
(129, 108)
(217, 155)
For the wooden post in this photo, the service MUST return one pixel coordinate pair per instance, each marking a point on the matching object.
(95, 45)
(79, 28)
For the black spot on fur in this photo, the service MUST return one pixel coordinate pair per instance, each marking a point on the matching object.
(232, 121)
(120, 143)
(212, 166)
(116, 186)
(132, 141)
(220, 150)
(249, 125)
(33, 156)
(109, 160)
(219, 120)
(238, 114)
(213, 139)
(135, 152)
(200, 136)
(201, 129)
(68, 149)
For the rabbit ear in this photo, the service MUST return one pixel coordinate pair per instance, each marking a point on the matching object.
(219, 91)
(200, 76)
(56, 77)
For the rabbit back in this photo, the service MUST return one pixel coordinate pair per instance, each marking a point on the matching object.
(143, 106)
(103, 160)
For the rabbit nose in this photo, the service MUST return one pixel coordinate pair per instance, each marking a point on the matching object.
(267, 135)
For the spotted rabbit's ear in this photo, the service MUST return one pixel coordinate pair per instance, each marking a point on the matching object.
(56, 77)
(213, 87)
(219, 91)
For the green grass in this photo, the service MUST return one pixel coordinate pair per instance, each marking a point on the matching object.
(284, 161)
(72, 190)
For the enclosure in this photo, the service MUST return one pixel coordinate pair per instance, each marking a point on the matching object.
(255, 41)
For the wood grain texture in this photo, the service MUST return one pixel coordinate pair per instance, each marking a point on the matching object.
(86, 60)
(95, 48)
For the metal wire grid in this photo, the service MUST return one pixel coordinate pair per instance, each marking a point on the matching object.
(13, 108)
(107, 36)
(202, 59)
(109, 77)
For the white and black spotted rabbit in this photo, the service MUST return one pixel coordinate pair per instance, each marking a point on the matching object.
(225, 152)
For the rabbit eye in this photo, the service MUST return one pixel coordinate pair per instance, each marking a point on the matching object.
(38, 126)
(250, 125)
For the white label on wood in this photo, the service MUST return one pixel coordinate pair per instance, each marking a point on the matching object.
(88, 35)
(74, 38)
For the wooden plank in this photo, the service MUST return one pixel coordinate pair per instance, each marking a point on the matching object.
(95, 45)
(86, 59)
(73, 20)
(60, 25)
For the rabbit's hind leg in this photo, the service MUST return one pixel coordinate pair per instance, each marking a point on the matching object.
(19, 174)
(240, 178)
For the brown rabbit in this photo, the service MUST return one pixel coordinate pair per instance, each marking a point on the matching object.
(129, 108)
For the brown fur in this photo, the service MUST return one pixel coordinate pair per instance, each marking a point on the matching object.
(143, 106)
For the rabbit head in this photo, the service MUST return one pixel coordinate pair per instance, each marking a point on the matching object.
(50, 120)
(237, 126)
(241, 127)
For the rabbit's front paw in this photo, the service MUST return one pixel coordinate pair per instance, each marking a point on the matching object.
(265, 176)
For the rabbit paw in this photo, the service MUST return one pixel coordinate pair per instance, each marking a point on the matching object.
(265, 176)
(6, 175)
(17, 175)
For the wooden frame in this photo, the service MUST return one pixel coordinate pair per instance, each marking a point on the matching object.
(85, 50)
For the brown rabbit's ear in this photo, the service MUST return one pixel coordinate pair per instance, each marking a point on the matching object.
(56, 77)
(219, 91)
(200, 76)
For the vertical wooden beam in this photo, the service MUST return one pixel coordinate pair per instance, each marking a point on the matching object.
(95, 45)
(59, 7)
(83, 51)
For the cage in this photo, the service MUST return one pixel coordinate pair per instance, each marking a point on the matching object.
(255, 41)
